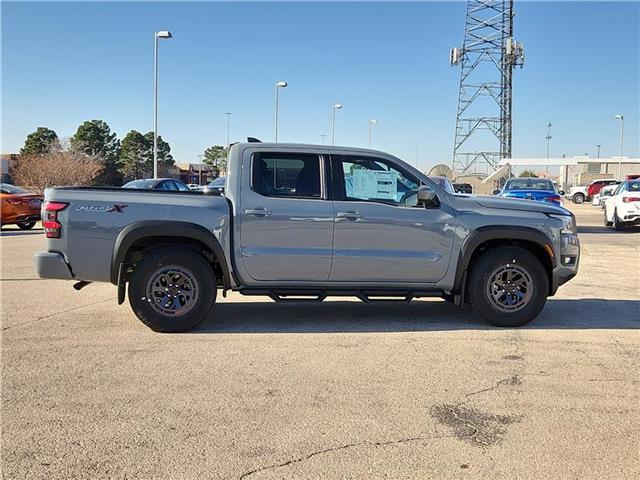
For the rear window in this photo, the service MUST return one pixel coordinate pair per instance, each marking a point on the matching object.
(142, 184)
(6, 188)
(286, 175)
(529, 184)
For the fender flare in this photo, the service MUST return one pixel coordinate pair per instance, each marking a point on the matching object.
(155, 228)
(498, 232)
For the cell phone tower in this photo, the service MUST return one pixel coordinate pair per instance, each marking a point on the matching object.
(487, 57)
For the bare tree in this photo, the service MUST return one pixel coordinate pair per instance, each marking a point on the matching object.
(65, 167)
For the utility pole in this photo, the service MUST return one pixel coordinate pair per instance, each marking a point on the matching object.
(228, 114)
(621, 118)
(372, 122)
(336, 106)
(548, 137)
(156, 36)
(200, 169)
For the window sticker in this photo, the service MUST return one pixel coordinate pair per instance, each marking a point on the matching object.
(375, 184)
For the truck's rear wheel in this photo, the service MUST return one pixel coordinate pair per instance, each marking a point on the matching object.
(508, 286)
(172, 289)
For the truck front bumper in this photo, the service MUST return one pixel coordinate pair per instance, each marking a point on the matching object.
(567, 266)
(52, 265)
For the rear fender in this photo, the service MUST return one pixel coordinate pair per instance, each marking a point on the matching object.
(138, 231)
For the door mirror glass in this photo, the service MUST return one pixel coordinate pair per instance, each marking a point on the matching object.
(496, 192)
(427, 197)
(561, 192)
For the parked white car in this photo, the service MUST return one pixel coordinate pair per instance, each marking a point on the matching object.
(577, 194)
(604, 194)
(622, 208)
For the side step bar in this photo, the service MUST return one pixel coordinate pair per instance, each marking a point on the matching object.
(283, 295)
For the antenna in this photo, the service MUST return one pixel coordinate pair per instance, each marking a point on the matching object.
(487, 58)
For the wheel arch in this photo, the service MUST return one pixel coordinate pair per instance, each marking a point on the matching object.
(484, 238)
(151, 234)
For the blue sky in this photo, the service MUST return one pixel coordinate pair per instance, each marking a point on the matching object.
(63, 63)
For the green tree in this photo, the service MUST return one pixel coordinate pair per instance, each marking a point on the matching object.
(165, 159)
(42, 141)
(528, 173)
(95, 138)
(133, 159)
(216, 156)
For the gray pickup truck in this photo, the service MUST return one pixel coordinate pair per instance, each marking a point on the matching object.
(303, 222)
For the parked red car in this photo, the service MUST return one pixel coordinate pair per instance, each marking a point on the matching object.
(594, 187)
(19, 206)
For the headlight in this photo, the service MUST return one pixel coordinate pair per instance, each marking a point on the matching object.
(568, 223)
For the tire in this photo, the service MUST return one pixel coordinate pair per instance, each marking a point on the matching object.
(186, 303)
(26, 225)
(617, 224)
(607, 223)
(578, 198)
(524, 266)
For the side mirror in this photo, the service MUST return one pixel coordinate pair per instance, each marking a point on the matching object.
(561, 192)
(496, 192)
(427, 197)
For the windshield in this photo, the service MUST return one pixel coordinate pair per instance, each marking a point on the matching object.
(149, 183)
(529, 184)
(218, 182)
(634, 186)
(6, 188)
(444, 183)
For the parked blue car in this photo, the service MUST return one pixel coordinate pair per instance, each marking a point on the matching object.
(539, 189)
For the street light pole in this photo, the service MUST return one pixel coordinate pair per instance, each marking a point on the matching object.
(548, 137)
(228, 114)
(336, 106)
(598, 145)
(322, 137)
(621, 118)
(280, 84)
(157, 35)
(372, 122)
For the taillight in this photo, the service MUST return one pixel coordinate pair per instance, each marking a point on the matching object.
(554, 198)
(52, 227)
(630, 199)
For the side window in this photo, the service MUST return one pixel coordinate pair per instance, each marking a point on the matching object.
(181, 186)
(374, 180)
(291, 175)
(164, 185)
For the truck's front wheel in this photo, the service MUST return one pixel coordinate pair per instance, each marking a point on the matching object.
(508, 286)
(172, 289)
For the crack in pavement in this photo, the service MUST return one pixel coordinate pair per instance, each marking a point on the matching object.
(513, 380)
(57, 313)
(341, 447)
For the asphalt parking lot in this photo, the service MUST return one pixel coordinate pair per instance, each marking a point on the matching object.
(335, 390)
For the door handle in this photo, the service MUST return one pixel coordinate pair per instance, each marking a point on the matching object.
(350, 215)
(262, 212)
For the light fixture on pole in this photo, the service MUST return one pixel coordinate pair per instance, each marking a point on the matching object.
(166, 34)
(372, 123)
(279, 85)
(621, 118)
(336, 106)
(228, 114)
